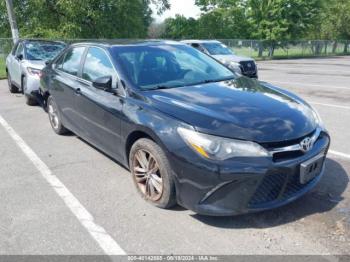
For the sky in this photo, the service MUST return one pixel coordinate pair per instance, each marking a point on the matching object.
(183, 7)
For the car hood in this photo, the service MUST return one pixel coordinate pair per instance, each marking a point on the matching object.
(243, 109)
(226, 59)
(34, 64)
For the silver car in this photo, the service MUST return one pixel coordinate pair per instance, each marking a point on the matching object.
(242, 65)
(24, 65)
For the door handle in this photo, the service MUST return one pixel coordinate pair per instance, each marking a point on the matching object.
(78, 91)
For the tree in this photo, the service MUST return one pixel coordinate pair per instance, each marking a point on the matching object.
(92, 19)
(180, 27)
(335, 22)
(156, 30)
(276, 20)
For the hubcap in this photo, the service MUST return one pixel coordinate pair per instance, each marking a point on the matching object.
(53, 116)
(147, 175)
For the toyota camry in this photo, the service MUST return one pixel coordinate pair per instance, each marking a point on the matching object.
(190, 130)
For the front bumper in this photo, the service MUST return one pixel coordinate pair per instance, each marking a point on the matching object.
(32, 84)
(242, 185)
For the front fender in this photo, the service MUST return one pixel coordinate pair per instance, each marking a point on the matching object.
(155, 124)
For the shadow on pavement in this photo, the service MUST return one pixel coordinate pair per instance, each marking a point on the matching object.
(326, 196)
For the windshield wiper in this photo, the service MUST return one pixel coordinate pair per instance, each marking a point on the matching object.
(160, 87)
(218, 80)
(207, 81)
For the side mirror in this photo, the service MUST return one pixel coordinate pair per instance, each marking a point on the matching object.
(48, 62)
(103, 83)
(19, 57)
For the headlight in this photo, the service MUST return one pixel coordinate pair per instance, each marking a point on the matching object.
(235, 66)
(34, 71)
(218, 148)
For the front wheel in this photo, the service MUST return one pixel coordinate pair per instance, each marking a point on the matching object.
(30, 101)
(54, 117)
(152, 174)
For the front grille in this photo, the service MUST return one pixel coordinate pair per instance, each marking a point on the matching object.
(268, 190)
(284, 182)
(248, 67)
(286, 143)
(288, 155)
(277, 187)
(285, 156)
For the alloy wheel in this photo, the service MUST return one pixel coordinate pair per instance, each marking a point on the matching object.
(53, 115)
(147, 175)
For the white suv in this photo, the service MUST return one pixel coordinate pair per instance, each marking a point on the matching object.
(24, 65)
(242, 65)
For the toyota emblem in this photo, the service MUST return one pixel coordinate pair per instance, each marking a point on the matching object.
(307, 144)
(249, 65)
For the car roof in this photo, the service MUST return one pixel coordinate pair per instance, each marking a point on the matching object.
(42, 41)
(126, 42)
(193, 41)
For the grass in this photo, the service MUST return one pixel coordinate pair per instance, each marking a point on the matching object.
(290, 53)
(2, 68)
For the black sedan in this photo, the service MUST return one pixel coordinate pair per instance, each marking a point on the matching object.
(190, 131)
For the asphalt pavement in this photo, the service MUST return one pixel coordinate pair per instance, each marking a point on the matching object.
(59, 195)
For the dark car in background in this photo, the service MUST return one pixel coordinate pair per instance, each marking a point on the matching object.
(25, 62)
(239, 64)
(190, 130)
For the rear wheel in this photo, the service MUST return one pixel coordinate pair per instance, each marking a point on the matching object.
(54, 117)
(152, 174)
(12, 87)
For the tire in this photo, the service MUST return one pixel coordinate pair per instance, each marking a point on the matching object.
(54, 117)
(164, 196)
(23, 84)
(30, 101)
(12, 88)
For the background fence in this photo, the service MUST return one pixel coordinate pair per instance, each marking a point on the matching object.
(252, 48)
(288, 49)
(5, 48)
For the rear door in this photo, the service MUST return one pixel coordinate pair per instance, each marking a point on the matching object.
(100, 111)
(65, 85)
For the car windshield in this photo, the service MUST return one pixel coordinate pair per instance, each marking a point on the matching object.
(43, 50)
(163, 66)
(218, 49)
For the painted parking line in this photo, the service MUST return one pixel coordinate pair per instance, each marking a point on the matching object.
(295, 84)
(331, 105)
(339, 154)
(98, 233)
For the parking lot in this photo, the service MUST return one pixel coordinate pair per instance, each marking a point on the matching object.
(59, 195)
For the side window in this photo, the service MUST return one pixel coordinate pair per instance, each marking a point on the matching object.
(72, 60)
(14, 49)
(20, 50)
(97, 64)
(59, 62)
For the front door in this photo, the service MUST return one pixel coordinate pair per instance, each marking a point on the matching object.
(100, 111)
